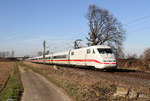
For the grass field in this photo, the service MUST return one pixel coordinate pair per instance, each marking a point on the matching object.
(81, 86)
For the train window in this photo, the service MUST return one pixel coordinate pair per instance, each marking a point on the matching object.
(93, 51)
(104, 51)
(88, 51)
(60, 56)
(72, 53)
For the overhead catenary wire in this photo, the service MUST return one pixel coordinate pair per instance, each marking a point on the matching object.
(137, 20)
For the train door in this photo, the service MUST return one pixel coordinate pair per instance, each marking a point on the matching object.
(69, 53)
(87, 56)
(52, 59)
(81, 56)
(90, 53)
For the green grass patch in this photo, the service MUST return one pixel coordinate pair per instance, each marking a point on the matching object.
(13, 88)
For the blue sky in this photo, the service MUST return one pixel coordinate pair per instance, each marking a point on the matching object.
(24, 24)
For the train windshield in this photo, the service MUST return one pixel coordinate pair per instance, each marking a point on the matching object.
(104, 51)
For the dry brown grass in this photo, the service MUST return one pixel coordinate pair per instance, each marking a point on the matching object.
(87, 85)
(82, 86)
(136, 64)
(5, 71)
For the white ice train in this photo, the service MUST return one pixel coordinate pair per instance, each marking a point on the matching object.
(99, 56)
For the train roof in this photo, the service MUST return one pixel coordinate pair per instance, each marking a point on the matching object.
(66, 52)
(96, 46)
(59, 53)
(99, 46)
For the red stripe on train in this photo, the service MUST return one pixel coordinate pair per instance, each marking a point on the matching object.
(79, 60)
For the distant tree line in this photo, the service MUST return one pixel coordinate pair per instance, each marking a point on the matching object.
(40, 53)
(5, 54)
(145, 57)
(133, 61)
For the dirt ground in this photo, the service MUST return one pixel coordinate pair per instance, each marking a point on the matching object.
(88, 85)
(37, 88)
(5, 71)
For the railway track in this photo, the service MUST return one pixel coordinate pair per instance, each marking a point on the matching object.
(118, 72)
(136, 74)
(129, 73)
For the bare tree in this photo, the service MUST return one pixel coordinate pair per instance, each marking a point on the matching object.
(3, 54)
(146, 55)
(47, 52)
(7, 54)
(77, 44)
(39, 53)
(12, 53)
(104, 29)
(131, 56)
